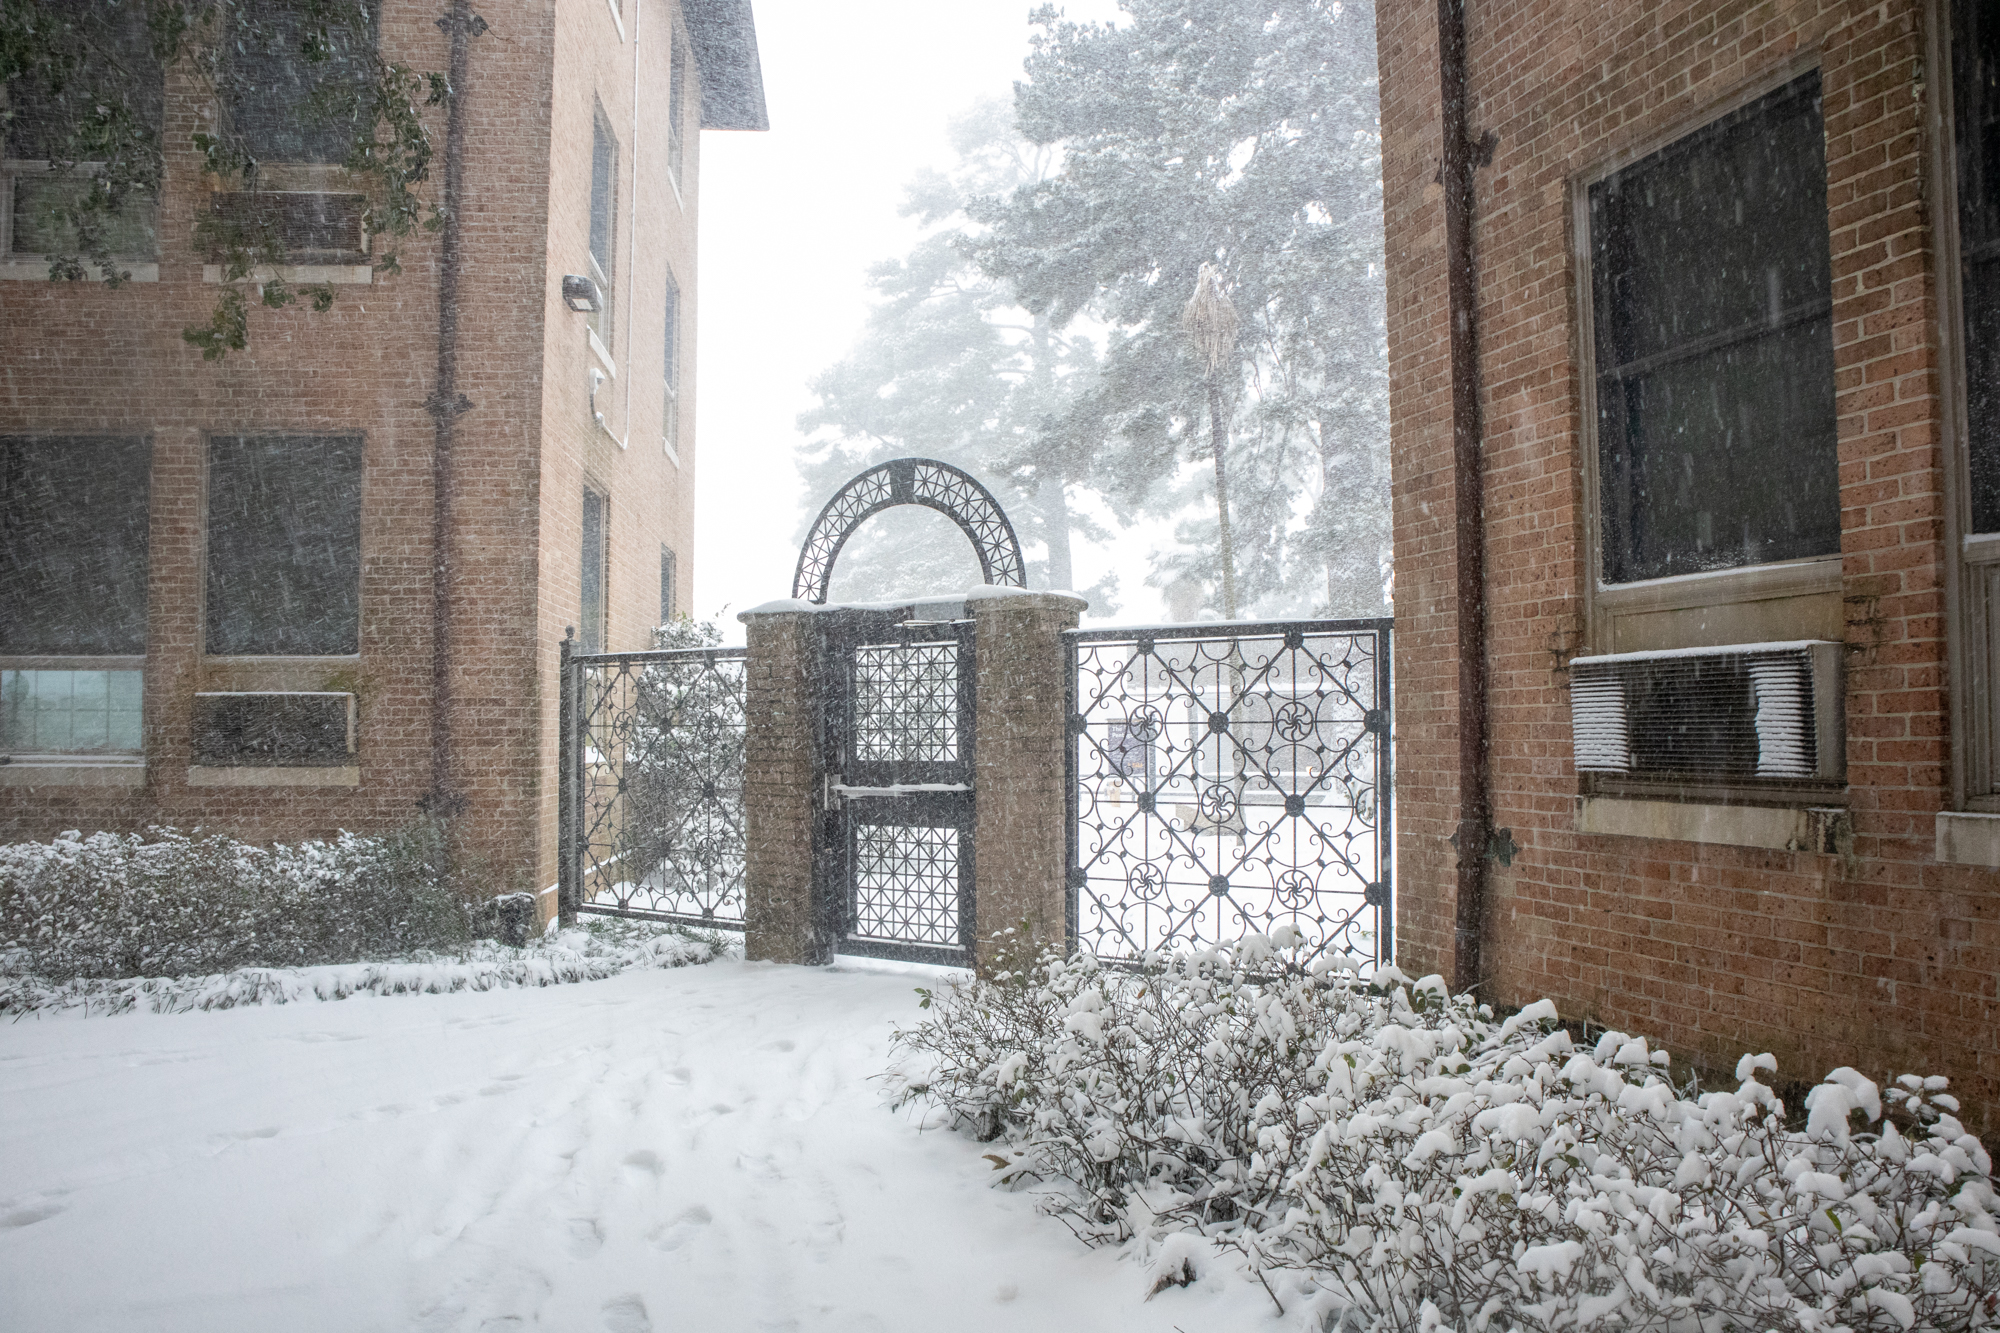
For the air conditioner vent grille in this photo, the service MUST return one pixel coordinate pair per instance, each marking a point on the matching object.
(1753, 712)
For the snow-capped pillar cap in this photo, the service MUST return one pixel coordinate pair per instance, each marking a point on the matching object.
(783, 606)
(1026, 599)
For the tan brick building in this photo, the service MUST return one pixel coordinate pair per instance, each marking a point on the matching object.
(1735, 370)
(217, 592)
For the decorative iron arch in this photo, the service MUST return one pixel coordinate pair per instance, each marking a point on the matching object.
(911, 481)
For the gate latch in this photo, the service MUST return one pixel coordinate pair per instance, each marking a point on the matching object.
(830, 791)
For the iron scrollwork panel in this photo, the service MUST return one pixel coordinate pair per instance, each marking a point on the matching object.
(1231, 780)
(659, 781)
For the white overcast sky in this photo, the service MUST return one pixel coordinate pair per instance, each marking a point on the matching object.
(790, 221)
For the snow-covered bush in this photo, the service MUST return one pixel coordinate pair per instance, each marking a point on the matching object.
(173, 904)
(590, 951)
(1428, 1164)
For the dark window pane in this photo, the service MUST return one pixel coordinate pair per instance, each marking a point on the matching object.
(603, 194)
(594, 507)
(43, 204)
(666, 585)
(1975, 70)
(603, 218)
(676, 94)
(284, 545)
(116, 74)
(670, 421)
(73, 545)
(1711, 291)
(298, 88)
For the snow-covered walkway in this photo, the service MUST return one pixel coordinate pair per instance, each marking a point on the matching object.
(697, 1149)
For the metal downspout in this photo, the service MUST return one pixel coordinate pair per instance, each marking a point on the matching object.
(445, 404)
(1475, 823)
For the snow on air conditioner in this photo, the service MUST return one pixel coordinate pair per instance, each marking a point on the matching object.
(1756, 711)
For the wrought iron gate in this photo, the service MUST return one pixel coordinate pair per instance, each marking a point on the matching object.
(892, 846)
(1227, 779)
(650, 804)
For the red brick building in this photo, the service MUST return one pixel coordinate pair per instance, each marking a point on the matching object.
(219, 585)
(1732, 386)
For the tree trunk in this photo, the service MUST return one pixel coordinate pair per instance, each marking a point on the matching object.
(1054, 501)
(1219, 429)
(1051, 487)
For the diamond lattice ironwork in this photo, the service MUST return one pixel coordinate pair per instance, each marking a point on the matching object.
(1227, 781)
(906, 884)
(906, 702)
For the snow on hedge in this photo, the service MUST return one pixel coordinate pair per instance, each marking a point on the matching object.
(589, 952)
(1418, 1162)
(170, 921)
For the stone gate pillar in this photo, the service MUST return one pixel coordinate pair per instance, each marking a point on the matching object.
(779, 736)
(1020, 854)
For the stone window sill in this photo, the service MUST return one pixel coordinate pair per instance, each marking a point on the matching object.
(74, 773)
(200, 775)
(37, 270)
(354, 274)
(1824, 829)
(1967, 839)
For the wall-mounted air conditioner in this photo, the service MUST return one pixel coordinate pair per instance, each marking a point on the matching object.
(1750, 711)
(274, 729)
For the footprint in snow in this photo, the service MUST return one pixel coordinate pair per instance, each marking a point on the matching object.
(586, 1237)
(267, 1132)
(626, 1314)
(780, 1046)
(679, 1231)
(645, 1159)
(682, 1076)
(27, 1217)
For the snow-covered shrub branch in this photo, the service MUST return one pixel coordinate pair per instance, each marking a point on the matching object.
(591, 951)
(174, 904)
(1427, 1163)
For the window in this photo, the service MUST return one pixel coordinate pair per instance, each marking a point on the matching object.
(676, 96)
(286, 108)
(1712, 338)
(603, 220)
(596, 532)
(73, 560)
(284, 545)
(1975, 139)
(119, 76)
(667, 569)
(670, 424)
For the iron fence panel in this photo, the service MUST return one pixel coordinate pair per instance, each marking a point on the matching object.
(1228, 779)
(656, 756)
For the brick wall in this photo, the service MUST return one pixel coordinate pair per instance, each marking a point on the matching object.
(1019, 850)
(1884, 959)
(86, 358)
(778, 796)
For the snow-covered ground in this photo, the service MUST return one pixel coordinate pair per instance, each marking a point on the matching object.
(701, 1148)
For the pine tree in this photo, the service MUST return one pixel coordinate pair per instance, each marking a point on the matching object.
(1243, 134)
(949, 366)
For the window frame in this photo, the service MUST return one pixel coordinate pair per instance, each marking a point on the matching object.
(670, 408)
(306, 660)
(670, 572)
(677, 86)
(1781, 601)
(1972, 636)
(603, 322)
(41, 761)
(1763, 594)
(602, 494)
